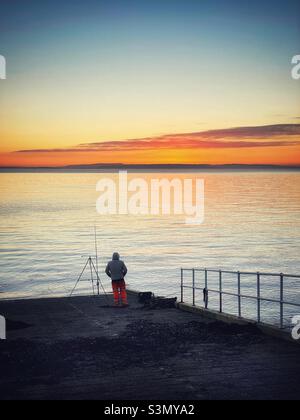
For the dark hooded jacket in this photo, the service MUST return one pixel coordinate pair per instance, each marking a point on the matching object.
(116, 269)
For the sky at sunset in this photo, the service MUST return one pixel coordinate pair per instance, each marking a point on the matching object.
(162, 81)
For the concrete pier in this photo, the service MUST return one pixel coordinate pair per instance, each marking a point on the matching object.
(81, 348)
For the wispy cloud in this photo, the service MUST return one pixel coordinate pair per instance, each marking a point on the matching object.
(232, 138)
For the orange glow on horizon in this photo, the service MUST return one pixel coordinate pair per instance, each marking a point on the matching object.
(287, 155)
(276, 144)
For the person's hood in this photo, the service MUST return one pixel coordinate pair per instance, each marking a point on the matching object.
(116, 256)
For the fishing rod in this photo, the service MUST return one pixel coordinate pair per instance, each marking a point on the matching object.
(96, 249)
(99, 282)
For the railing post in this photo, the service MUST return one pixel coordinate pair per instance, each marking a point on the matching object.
(281, 301)
(206, 289)
(239, 293)
(194, 300)
(181, 288)
(221, 291)
(258, 297)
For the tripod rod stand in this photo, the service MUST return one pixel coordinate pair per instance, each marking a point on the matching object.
(90, 263)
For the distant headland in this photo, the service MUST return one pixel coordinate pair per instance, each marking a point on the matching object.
(102, 167)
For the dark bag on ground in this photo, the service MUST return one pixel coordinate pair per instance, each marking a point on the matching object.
(156, 302)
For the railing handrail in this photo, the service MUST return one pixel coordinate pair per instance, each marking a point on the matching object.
(245, 296)
(247, 273)
(221, 292)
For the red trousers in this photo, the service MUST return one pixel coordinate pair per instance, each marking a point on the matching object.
(119, 290)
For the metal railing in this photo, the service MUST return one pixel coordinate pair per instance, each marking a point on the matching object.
(238, 294)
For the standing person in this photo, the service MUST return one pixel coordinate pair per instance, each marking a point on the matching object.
(117, 270)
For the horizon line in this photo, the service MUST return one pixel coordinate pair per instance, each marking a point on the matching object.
(155, 165)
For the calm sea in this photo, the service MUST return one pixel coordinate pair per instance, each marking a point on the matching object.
(252, 222)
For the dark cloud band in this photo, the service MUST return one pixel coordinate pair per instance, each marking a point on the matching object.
(233, 138)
